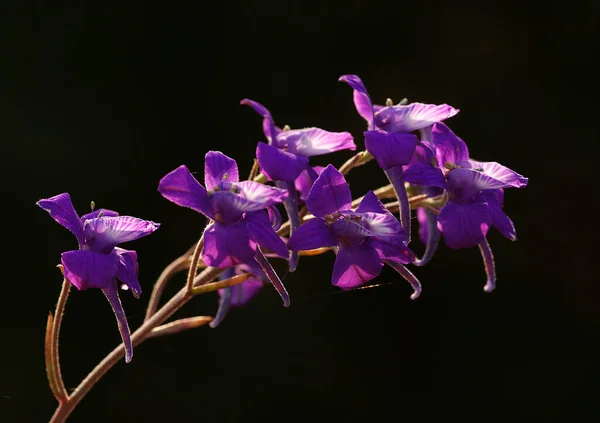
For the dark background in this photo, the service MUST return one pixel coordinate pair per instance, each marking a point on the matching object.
(102, 100)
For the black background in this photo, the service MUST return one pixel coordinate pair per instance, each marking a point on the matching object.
(101, 100)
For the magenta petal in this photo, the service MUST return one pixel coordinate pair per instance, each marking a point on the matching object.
(217, 168)
(370, 203)
(264, 235)
(61, 209)
(180, 187)
(269, 128)
(412, 116)
(314, 141)
(355, 265)
(228, 245)
(305, 181)
(112, 295)
(448, 147)
(362, 100)
(98, 212)
(86, 269)
(128, 270)
(464, 225)
(330, 193)
(390, 149)
(104, 233)
(312, 234)
(279, 165)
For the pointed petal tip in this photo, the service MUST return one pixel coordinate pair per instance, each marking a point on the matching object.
(489, 287)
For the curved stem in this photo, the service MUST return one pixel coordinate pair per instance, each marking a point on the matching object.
(52, 357)
(194, 264)
(65, 409)
(357, 160)
(176, 266)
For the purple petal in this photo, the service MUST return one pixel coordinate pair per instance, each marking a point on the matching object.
(330, 193)
(217, 168)
(314, 141)
(128, 270)
(279, 165)
(305, 181)
(429, 233)
(112, 295)
(355, 265)
(412, 117)
(270, 130)
(500, 221)
(425, 175)
(244, 292)
(392, 248)
(509, 177)
(98, 212)
(87, 269)
(104, 233)
(448, 147)
(464, 183)
(228, 245)
(390, 149)
(382, 224)
(464, 225)
(264, 235)
(224, 305)
(181, 188)
(229, 207)
(370, 203)
(61, 209)
(262, 194)
(312, 234)
(362, 100)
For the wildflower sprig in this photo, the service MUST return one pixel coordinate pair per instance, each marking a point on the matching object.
(430, 171)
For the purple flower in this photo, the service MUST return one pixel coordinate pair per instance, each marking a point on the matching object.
(365, 239)
(286, 155)
(240, 294)
(239, 222)
(305, 181)
(399, 118)
(98, 262)
(389, 137)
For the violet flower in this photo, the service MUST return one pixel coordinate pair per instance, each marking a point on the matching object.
(238, 295)
(364, 239)
(98, 262)
(238, 220)
(286, 155)
(389, 137)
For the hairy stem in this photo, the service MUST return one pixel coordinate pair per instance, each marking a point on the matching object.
(194, 264)
(65, 409)
(52, 357)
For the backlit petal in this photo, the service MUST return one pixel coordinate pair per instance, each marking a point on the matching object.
(87, 269)
(314, 141)
(330, 193)
(412, 116)
(128, 270)
(464, 225)
(355, 266)
(228, 245)
(181, 188)
(279, 165)
(104, 233)
(61, 209)
(217, 168)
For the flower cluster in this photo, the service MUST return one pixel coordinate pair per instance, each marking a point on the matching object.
(429, 169)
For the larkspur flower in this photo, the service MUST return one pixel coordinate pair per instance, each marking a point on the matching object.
(475, 198)
(239, 223)
(98, 262)
(285, 157)
(364, 239)
(238, 295)
(389, 137)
